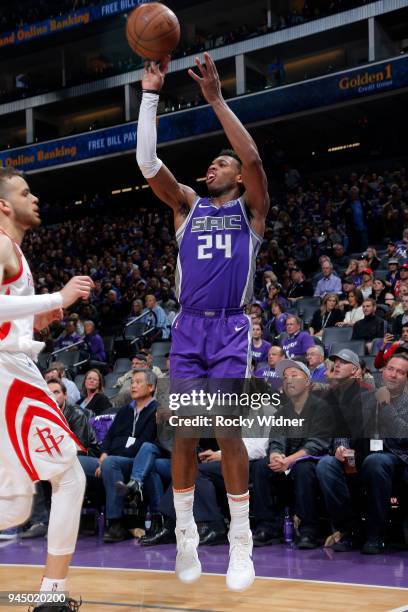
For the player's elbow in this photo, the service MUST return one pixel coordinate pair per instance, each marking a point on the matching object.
(252, 158)
(149, 169)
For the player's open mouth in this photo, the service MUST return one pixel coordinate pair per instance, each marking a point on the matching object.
(210, 177)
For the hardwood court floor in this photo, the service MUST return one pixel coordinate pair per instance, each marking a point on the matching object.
(111, 590)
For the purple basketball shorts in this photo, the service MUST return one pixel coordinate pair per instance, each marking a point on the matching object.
(210, 344)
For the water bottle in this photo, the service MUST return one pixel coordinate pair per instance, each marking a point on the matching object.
(288, 527)
(148, 521)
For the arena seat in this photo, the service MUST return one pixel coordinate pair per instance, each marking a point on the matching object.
(306, 311)
(160, 348)
(160, 362)
(306, 302)
(332, 335)
(122, 365)
(110, 379)
(79, 379)
(358, 346)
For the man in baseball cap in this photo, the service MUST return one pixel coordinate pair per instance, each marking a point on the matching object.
(292, 457)
(347, 356)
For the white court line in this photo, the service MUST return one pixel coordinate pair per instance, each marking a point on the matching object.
(136, 569)
(402, 609)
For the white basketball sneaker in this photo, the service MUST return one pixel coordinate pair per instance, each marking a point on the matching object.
(188, 566)
(241, 573)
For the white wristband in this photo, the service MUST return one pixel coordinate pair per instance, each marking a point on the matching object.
(146, 156)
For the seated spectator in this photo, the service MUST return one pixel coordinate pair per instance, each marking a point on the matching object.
(402, 281)
(352, 271)
(401, 246)
(160, 322)
(370, 327)
(68, 337)
(297, 342)
(339, 258)
(316, 363)
(355, 311)
(259, 346)
(134, 424)
(401, 319)
(78, 422)
(393, 272)
(329, 283)
(139, 362)
(390, 254)
(373, 261)
(56, 370)
(379, 290)
(299, 287)
(92, 393)
(137, 309)
(347, 285)
(275, 355)
(379, 467)
(390, 346)
(277, 323)
(328, 315)
(296, 454)
(275, 295)
(366, 286)
(94, 343)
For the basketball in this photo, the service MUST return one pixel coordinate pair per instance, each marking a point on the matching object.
(152, 31)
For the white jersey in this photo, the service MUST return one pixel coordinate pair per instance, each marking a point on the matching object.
(17, 336)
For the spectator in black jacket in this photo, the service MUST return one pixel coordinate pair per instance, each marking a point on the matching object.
(92, 393)
(134, 424)
(370, 327)
(297, 454)
(78, 423)
(299, 287)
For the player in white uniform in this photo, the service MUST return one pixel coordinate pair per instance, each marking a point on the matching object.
(35, 440)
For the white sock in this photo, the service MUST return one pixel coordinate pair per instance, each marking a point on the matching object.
(239, 510)
(52, 585)
(183, 505)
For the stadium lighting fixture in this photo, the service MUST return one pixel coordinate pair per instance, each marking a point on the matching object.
(127, 189)
(352, 145)
(116, 192)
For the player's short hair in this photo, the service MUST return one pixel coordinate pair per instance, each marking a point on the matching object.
(57, 381)
(5, 175)
(230, 153)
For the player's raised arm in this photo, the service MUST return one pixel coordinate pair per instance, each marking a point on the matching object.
(253, 174)
(159, 177)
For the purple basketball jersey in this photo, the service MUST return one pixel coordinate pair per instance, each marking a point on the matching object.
(217, 256)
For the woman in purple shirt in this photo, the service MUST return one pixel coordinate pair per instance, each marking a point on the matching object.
(259, 346)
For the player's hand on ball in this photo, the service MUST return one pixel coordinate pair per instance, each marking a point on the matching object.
(209, 81)
(154, 73)
(79, 287)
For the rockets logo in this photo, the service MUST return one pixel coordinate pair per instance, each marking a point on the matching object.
(38, 404)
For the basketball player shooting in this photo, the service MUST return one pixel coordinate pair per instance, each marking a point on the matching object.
(35, 440)
(218, 237)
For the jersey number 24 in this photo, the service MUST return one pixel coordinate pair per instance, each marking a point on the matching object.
(222, 243)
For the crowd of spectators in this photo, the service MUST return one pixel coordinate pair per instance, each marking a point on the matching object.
(330, 333)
